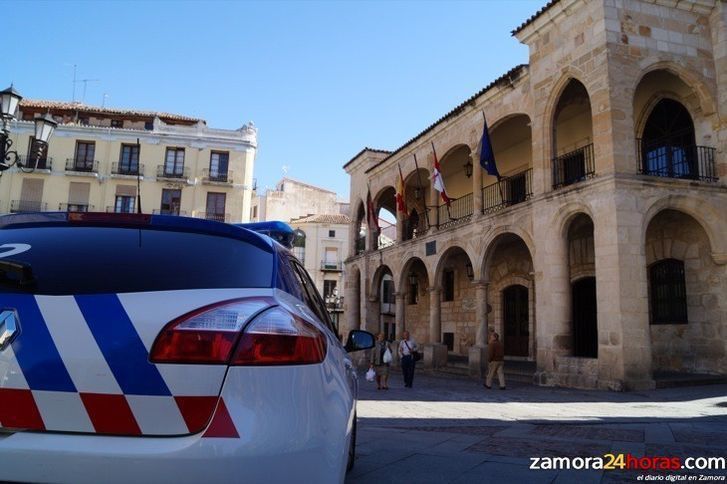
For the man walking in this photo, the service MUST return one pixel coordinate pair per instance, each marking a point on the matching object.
(407, 347)
(495, 361)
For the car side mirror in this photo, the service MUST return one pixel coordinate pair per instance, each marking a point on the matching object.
(359, 340)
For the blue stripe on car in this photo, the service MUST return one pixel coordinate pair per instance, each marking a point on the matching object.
(34, 349)
(121, 345)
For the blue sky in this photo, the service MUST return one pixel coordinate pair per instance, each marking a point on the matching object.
(321, 80)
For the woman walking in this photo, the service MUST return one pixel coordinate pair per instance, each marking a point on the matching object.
(380, 362)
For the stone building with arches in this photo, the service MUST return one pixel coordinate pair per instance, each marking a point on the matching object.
(600, 255)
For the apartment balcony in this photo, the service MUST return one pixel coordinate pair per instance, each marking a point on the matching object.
(211, 177)
(690, 162)
(328, 266)
(19, 206)
(112, 209)
(75, 207)
(75, 166)
(508, 191)
(41, 166)
(127, 169)
(173, 173)
(159, 211)
(573, 167)
(217, 217)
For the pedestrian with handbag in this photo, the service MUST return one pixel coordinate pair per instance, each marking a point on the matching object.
(408, 355)
(380, 361)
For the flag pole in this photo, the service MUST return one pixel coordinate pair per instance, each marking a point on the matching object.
(421, 188)
(449, 214)
(499, 178)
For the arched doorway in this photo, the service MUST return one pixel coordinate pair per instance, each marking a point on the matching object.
(582, 275)
(508, 268)
(667, 145)
(385, 302)
(516, 320)
(572, 136)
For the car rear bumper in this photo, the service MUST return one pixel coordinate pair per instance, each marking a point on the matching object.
(292, 423)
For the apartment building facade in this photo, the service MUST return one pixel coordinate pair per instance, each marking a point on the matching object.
(600, 254)
(321, 244)
(98, 158)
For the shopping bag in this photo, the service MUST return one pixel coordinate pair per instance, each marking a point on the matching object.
(370, 375)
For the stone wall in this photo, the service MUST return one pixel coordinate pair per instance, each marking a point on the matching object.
(699, 344)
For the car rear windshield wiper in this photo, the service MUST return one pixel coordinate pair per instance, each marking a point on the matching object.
(16, 273)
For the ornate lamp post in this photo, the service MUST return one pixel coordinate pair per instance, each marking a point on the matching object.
(44, 126)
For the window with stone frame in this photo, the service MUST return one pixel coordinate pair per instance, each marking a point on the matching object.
(667, 292)
(448, 285)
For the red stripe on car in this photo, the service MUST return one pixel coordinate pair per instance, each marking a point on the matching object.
(110, 414)
(18, 410)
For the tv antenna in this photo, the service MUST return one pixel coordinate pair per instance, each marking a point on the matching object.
(85, 85)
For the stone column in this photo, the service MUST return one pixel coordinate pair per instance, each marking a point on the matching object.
(481, 315)
(718, 23)
(476, 186)
(400, 217)
(400, 315)
(371, 239)
(433, 201)
(478, 352)
(435, 315)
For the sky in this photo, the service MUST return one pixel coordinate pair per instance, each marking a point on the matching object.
(320, 80)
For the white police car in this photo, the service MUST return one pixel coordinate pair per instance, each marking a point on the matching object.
(140, 348)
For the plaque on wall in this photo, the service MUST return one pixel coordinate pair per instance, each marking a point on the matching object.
(431, 247)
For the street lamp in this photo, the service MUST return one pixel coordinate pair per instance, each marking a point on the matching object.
(44, 126)
(468, 168)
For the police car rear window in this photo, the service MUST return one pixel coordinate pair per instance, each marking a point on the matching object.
(86, 260)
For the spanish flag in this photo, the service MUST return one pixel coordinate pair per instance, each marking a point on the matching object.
(400, 194)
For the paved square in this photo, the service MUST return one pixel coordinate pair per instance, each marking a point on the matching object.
(454, 430)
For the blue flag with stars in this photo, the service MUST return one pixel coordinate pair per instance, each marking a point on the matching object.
(487, 155)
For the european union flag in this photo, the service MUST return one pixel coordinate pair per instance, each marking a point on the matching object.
(487, 155)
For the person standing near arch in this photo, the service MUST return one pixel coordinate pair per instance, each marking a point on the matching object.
(496, 361)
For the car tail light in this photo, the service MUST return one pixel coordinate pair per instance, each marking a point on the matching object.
(277, 337)
(206, 335)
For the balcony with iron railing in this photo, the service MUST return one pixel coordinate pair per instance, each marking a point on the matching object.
(173, 172)
(159, 211)
(76, 165)
(690, 162)
(43, 164)
(458, 211)
(217, 177)
(115, 209)
(416, 224)
(127, 169)
(75, 207)
(331, 266)
(508, 191)
(217, 217)
(18, 206)
(573, 167)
